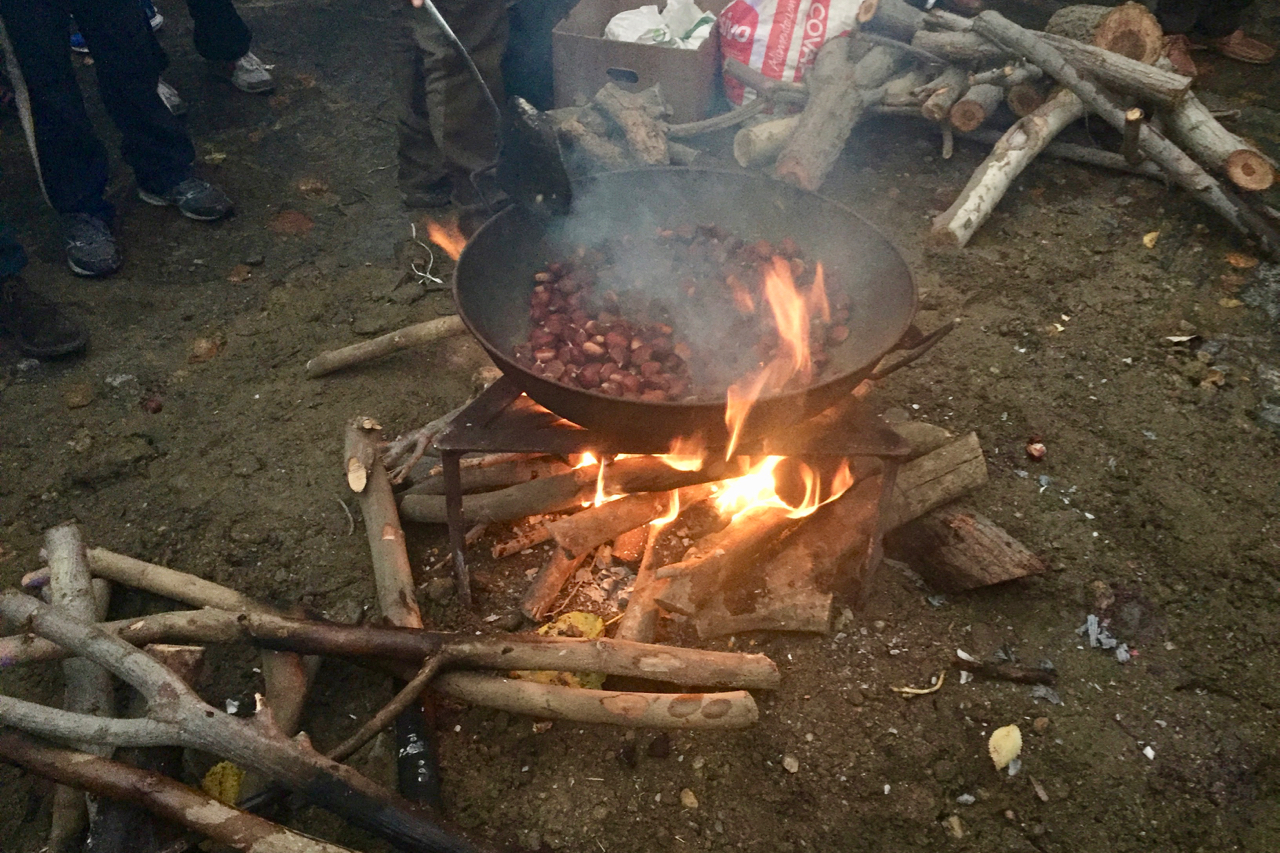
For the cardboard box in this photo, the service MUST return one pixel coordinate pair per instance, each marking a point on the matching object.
(584, 61)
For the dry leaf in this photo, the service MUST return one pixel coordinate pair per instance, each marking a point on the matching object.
(1241, 261)
(213, 158)
(312, 186)
(293, 223)
(1149, 239)
(1214, 378)
(203, 349)
(575, 623)
(239, 273)
(1228, 302)
(1005, 745)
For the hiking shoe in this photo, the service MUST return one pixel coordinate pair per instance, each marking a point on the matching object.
(91, 249)
(171, 99)
(77, 41)
(437, 194)
(1178, 51)
(154, 18)
(37, 325)
(1242, 48)
(194, 198)
(248, 74)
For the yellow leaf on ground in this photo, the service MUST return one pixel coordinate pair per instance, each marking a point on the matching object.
(575, 623)
(1005, 745)
(1228, 302)
(1241, 261)
(223, 782)
(1149, 239)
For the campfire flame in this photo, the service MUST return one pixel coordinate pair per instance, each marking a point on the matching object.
(686, 454)
(759, 489)
(447, 236)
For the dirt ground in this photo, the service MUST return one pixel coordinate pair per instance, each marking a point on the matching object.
(1154, 506)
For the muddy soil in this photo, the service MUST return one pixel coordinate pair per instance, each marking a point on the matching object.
(1150, 374)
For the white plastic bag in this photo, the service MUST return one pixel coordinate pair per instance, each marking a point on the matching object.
(780, 38)
(681, 24)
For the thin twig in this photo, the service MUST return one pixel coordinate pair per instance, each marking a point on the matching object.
(351, 519)
(391, 710)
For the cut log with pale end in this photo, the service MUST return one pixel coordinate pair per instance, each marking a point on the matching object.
(977, 105)
(1010, 156)
(760, 144)
(1128, 29)
(634, 117)
(1192, 126)
(943, 92)
(1025, 98)
(547, 584)
(956, 549)
(935, 479)
(735, 710)
(839, 94)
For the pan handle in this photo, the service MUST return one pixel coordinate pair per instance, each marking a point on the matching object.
(899, 359)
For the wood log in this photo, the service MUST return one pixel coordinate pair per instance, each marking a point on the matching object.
(1083, 154)
(1011, 155)
(528, 532)
(640, 619)
(417, 335)
(935, 479)
(964, 48)
(491, 477)
(1192, 126)
(956, 550)
(1006, 671)
(760, 144)
(838, 97)
(736, 710)
(897, 19)
(158, 794)
(582, 532)
(88, 686)
(551, 578)
(1009, 75)
(565, 491)
(1180, 168)
(943, 92)
(1128, 29)
(1025, 98)
(630, 546)
(1120, 74)
(642, 129)
(977, 105)
(602, 153)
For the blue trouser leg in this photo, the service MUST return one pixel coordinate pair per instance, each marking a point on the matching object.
(12, 257)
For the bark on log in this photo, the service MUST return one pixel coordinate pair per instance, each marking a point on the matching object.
(601, 153)
(1184, 171)
(640, 619)
(956, 550)
(528, 532)
(1010, 156)
(1193, 127)
(160, 795)
(759, 145)
(492, 477)
(417, 335)
(943, 92)
(630, 546)
(1128, 29)
(897, 19)
(547, 584)
(736, 710)
(964, 48)
(1008, 75)
(88, 687)
(1083, 154)
(582, 532)
(977, 105)
(643, 131)
(1121, 74)
(935, 479)
(564, 491)
(838, 96)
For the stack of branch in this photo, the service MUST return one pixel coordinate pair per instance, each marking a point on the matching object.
(177, 716)
(621, 130)
(961, 73)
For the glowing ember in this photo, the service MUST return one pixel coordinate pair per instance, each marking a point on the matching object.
(447, 236)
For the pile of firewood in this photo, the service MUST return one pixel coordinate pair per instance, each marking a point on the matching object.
(956, 73)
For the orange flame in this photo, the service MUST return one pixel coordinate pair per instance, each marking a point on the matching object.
(817, 299)
(759, 489)
(791, 316)
(447, 236)
(673, 510)
(686, 454)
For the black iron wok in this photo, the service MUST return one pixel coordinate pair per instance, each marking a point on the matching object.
(494, 278)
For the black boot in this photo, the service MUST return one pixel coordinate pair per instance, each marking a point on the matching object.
(38, 326)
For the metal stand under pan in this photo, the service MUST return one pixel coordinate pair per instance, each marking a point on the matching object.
(503, 420)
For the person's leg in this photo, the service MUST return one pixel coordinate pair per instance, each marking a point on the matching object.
(1220, 19)
(155, 143)
(220, 34)
(73, 162)
(12, 256)
(1178, 17)
(1219, 28)
(39, 327)
(422, 175)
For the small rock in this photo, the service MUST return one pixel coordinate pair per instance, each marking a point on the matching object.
(255, 260)
(440, 590)
(791, 764)
(627, 754)
(152, 405)
(660, 746)
(1040, 725)
(205, 348)
(854, 696)
(688, 799)
(409, 292)
(77, 395)
(955, 828)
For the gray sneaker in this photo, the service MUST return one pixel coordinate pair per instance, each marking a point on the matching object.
(91, 249)
(248, 74)
(194, 198)
(171, 99)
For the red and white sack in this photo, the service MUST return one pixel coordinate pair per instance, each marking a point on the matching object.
(780, 38)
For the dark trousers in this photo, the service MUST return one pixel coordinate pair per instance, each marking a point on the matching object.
(445, 124)
(73, 160)
(12, 257)
(1206, 18)
(221, 35)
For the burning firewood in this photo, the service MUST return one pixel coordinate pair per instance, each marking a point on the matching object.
(583, 531)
